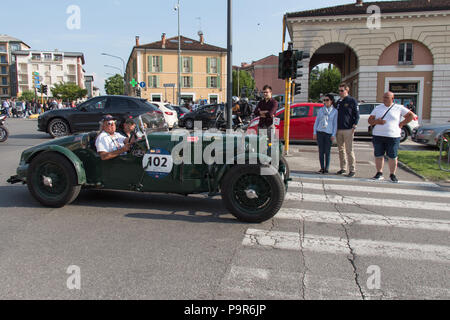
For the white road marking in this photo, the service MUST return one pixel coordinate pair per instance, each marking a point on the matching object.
(364, 219)
(394, 191)
(356, 179)
(334, 245)
(392, 203)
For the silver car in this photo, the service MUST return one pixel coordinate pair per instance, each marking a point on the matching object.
(429, 134)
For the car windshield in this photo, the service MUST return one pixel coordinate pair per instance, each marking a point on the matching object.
(168, 106)
(184, 110)
(150, 123)
(151, 105)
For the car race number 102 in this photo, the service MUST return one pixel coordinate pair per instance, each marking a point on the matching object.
(158, 163)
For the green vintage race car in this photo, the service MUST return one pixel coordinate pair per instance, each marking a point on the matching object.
(164, 162)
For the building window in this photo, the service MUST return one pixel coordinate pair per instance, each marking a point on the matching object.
(187, 64)
(187, 82)
(70, 79)
(47, 56)
(5, 91)
(156, 64)
(35, 67)
(59, 79)
(2, 48)
(2, 59)
(15, 47)
(153, 81)
(3, 70)
(4, 81)
(58, 57)
(405, 53)
(36, 56)
(59, 68)
(213, 82)
(213, 66)
(71, 68)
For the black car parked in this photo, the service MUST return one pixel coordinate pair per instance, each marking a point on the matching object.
(207, 114)
(181, 111)
(86, 116)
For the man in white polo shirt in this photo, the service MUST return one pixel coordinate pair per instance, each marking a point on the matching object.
(109, 143)
(387, 121)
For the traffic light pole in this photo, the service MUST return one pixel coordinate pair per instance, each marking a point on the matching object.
(287, 106)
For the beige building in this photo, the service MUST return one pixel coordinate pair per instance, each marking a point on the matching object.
(401, 46)
(202, 75)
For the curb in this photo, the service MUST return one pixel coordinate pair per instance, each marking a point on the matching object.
(408, 169)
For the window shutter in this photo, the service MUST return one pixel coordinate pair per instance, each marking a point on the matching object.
(191, 82)
(219, 82)
(160, 64)
(150, 63)
(208, 65)
(191, 65)
(208, 82)
(219, 66)
(157, 81)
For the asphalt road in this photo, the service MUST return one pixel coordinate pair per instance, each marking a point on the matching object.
(329, 241)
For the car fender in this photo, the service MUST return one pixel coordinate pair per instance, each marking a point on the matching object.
(72, 157)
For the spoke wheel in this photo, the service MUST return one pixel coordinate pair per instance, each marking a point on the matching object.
(3, 134)
(250, 196)
(404, 135)
(189, 124)
(58, 128)
(52, 180)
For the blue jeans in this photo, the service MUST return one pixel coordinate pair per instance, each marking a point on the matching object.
(324, 142)
(385, 145)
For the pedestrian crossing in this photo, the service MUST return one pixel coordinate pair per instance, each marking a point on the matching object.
(330, 231)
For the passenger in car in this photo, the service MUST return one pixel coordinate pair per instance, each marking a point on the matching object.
(128, 131)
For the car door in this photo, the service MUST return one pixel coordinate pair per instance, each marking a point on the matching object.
(89, 114)
(300, 123)
(122, 108)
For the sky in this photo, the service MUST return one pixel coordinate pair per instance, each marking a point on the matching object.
(110, 26)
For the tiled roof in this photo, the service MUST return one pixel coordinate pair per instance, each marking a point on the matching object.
(186, 44)
(385, 6)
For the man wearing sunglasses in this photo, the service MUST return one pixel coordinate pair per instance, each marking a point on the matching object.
(348, 118)
(109, 143)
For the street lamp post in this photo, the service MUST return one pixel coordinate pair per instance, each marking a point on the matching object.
(124, 69)
(229, 67)
(177, 8)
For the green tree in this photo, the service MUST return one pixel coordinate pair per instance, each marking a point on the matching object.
(323, 81)
(27, 95)
(68, 92)
(114, 85)
(245, 80)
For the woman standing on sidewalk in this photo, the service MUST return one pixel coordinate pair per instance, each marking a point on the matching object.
(325, 129)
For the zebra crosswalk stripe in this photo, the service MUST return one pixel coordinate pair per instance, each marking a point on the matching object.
(364, 219)
(343, 187)
(350, 200)
(334, 245)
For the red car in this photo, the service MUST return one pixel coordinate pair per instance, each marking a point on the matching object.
(303, 116)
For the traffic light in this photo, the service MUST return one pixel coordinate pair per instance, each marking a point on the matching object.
(297, 57)
(45, 89)
(39, 89)
(138, 92)
(285, 64)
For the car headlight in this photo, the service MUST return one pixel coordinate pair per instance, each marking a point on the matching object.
(426, 132)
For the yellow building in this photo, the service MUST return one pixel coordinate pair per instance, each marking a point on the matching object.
(202, 75)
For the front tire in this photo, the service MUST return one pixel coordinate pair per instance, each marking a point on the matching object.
(52, 180)
(58, 128)
(189, 124)
(250, 196)
(404, 134)
(3, 134)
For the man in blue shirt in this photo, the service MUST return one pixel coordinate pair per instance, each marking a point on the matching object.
(348, 118)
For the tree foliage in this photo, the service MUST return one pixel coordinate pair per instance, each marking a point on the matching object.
(245, 80)
(323, 81)
(27, 95)
(68, 92)
(114, 85)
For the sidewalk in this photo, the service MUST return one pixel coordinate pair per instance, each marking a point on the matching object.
(304, 158)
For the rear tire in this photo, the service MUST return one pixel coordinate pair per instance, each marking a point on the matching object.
(63, 189)
(250, 196)
(58, 128)
(4, 133)
(189, 123)
(404, 134)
